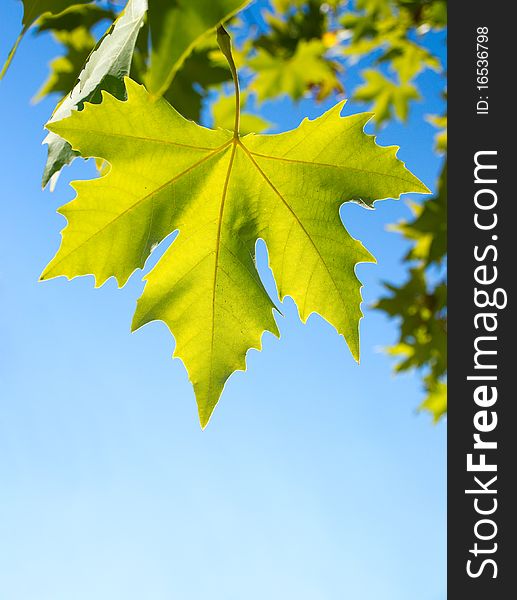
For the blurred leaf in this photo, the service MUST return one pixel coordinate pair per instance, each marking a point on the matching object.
(176, 26)
(379, 8)
(282, 6)
(64, 70)
(306, 69)
(288, 27)
(436, 400)
(290, 58)
(421, 310)
(390, 32)
(387, 97)
(440, 122)
(429, 227)
(33, 10)
(429, 12)
(409, 59)
(193, 80)
(74, 17)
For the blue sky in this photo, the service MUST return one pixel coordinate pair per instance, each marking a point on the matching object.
(315, 479)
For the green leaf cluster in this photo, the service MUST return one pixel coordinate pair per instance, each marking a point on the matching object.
(392, 31)
(293, 48)
(420, 304)
(292, 56)
(421, 309)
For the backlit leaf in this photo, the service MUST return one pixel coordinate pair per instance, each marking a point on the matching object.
(305, 70)
(387, 97)
(436, 400)
(223, 192)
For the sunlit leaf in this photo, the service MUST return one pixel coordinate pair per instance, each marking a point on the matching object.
(222, 192)
(306, 69)
(385, 96)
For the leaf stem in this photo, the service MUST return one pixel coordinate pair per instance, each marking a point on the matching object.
(11, 54)
(225, 44)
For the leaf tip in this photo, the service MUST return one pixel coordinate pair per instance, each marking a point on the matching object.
(205, 414)
(340, 105)
(46, 274)
(51, 126)
(356, 352)
(425, 189)
(134, 87)
(136, 323)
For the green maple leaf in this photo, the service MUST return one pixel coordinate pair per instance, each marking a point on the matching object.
(306, 69)
(386, 95)
(222, 192)
(409, 59)
(32, 11)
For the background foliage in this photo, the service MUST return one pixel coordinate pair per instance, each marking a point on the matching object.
(296, 48)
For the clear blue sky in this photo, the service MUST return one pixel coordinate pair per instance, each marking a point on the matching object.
(315, 479)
